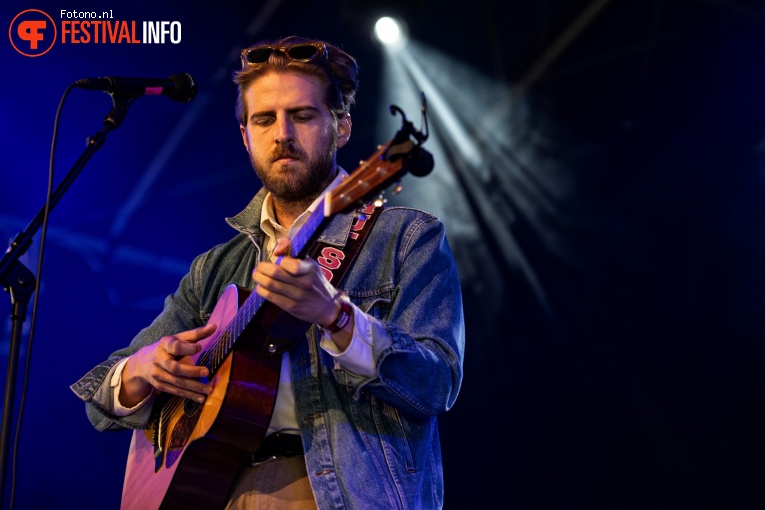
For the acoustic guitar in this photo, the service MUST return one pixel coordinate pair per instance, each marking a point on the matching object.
(191, 452)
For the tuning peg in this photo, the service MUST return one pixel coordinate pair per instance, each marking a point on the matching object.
(380, 200)
(398, 188)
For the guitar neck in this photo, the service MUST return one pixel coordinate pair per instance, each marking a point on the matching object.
(305, 237)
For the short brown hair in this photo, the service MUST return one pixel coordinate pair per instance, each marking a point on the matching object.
(338, 71)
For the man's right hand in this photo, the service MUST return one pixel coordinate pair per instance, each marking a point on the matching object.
(166, 366)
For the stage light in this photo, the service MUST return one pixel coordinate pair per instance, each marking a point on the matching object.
(390, 32)
(482, 164)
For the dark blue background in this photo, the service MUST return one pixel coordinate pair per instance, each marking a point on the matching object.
(606, 214)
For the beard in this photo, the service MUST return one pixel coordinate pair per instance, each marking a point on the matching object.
(301, 182)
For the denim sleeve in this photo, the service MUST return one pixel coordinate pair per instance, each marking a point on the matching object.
(419, 344)
(181, 312)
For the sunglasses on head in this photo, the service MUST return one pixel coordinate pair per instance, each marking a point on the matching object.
(302, 52)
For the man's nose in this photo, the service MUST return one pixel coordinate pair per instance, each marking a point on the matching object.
(285, 133)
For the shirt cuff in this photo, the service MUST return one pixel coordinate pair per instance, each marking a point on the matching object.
(358, 358)
(116, 384)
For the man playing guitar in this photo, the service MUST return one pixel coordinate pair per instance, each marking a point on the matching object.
(231, 401)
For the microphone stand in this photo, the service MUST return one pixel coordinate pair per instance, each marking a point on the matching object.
(19, 281)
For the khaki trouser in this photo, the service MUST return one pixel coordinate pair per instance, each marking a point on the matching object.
(280, 484)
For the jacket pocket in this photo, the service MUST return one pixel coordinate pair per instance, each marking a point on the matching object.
(395, 443)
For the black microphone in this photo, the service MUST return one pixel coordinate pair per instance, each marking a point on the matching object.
(178, 87)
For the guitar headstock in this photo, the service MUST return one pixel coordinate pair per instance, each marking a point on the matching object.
(404, 153)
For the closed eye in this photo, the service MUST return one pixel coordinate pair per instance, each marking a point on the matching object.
(301, 114)
(262, 120)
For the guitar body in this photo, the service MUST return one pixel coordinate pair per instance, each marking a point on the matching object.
(220, 435)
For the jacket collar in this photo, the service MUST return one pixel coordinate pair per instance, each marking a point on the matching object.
(248, 221)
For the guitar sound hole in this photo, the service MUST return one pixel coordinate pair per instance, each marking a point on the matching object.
(190, 407)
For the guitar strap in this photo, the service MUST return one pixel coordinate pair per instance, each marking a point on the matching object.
(335, 262)
(286, 331)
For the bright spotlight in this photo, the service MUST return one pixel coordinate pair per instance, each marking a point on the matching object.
(390, 32)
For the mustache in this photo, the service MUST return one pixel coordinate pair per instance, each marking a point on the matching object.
(286, 151)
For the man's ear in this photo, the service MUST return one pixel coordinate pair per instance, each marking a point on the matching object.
(244, 137)
(344, 125)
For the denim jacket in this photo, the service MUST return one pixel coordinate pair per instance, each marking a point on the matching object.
(369, 442)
